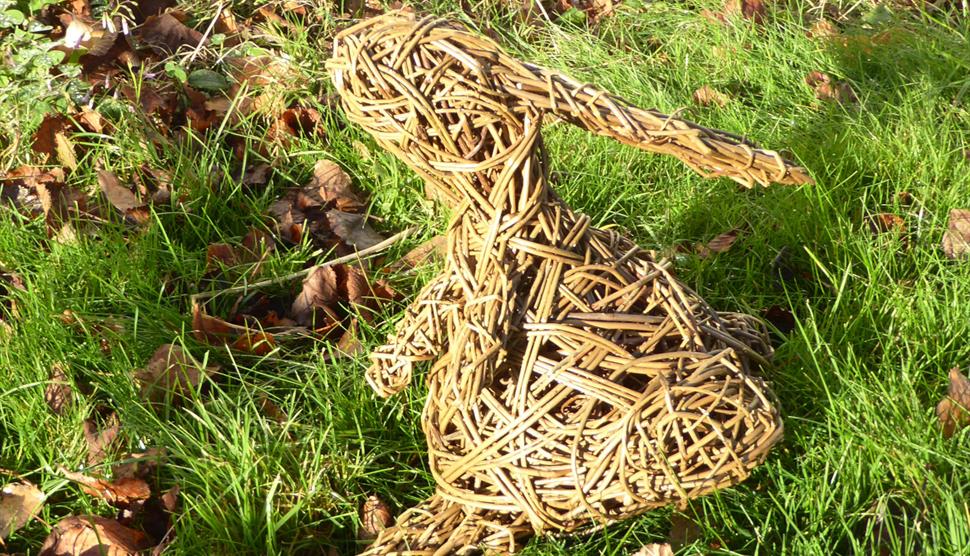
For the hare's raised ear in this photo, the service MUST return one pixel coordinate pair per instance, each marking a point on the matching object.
(709, 152)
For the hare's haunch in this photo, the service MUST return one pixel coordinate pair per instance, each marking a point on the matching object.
(575, 380)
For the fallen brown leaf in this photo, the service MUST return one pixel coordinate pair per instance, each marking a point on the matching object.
(319, 295)
(435, 247)
(748, 9)
(720, 244)
(59, 394)
(296, 122)
(333, 185)
(217, 332)
(349, 343)
(375, 516)
(706, 96)
(779, 317)
(886, 222)
(100, 441)
(954, 410)
(19, 503)
(353, 229)
(684, 531)
(91, 535)
(271, 410)
(121, 197)
(120, 493)
(823, 29)
(829, 89)
(52, 140)
(166, 33)
(140, 465)
(171, 373)
(956, 238)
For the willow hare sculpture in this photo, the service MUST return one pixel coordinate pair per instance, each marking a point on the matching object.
(575, 381)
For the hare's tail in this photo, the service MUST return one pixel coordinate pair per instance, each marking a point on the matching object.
(437, 527)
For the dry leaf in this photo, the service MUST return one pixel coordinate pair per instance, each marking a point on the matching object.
(654, 549)
(956, 238)
(353, 230)
(683, 531)
(166, 33)
(121, 492)
(51, 140)
(217, 332)
(171, 373)
(19, 503)
(886, 222)
(271, 410)
(823, 29)
(100, 441)
(829, 89)
(140, 465)
(91, 535)
(319, 294)
(333, 185)
(218, 255)
(375, 516)
(349, 343)
(118, 195)
(779, 317)
(748, 9)
(720, 244)
(59, 394)
(434, 247)
(954, 410)
(706, 96)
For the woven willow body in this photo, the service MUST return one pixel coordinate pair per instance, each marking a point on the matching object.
(575, 381)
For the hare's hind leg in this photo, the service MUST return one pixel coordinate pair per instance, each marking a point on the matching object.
(438, 527)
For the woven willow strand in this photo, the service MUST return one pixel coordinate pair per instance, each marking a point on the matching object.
(575, 381)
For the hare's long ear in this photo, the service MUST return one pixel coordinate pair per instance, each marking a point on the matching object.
(709, 152)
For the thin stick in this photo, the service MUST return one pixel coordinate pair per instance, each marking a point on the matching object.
(356, 255)
(219, 8)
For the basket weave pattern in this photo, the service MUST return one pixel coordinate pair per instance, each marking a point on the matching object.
(575, 381)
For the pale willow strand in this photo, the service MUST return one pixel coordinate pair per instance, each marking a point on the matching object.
(575, 381)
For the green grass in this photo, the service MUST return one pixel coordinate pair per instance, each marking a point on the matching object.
(863, 466)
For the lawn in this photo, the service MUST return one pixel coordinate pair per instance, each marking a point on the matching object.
(276, 451)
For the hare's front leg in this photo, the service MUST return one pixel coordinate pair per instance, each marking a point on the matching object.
(420, 336)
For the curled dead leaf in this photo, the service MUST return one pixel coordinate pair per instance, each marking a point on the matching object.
(886, 222)
(353, 229)
(217, 332)
(100, 440)
(435, 247)
(953, 410)
(59, 394)
(93, 535)
(828, 89)
(319, 295)
(166, 33)
(121, 492)
(19, 503)
(956, 238)
(823, 29)
(720, 244)
(333, 185)
(375, 516)
(121, 197)
(706, 96)
(171, 373)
